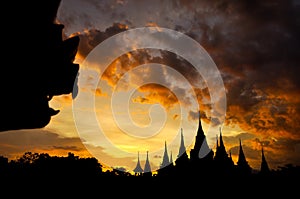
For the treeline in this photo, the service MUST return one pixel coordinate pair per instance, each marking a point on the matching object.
(41, 166)
(41, 175)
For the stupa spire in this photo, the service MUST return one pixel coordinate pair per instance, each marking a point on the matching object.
(242, 163)
(201, 148)
(264, 167)
(147, 167)
(182, 157)
(138, 169)
(166, 160)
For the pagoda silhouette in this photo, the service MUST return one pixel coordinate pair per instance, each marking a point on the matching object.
(203, 161)
(138, 169)
(264, 167)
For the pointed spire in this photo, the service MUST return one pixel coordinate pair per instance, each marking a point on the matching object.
(182, 157)
(221, 154)
(200, 132)
(182, 149)
(147, 167)
(138, 169)
(166, 161)
(242, 162)
(242, 157)
(201, 148)
(264, 167)
(221, 139)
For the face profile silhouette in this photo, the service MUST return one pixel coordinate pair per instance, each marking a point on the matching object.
(40, 65)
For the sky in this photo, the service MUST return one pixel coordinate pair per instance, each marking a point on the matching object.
(144, 97)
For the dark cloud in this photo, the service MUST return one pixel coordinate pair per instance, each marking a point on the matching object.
(278, 152)
(234, 140)
(255, 45)
(244, 57)
(282, 152)
(205, 116)
(253, 156)
(15, 143)
(250, 153)
(67, 148)
(154, 93)
(89, 39)
(194, 115)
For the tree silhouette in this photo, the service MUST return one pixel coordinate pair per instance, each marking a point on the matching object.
(37, 170)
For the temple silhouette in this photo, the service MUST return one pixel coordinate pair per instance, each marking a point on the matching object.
(214, 170)
(202, 160)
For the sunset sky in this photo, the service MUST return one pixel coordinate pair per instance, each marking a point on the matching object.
(254, 45)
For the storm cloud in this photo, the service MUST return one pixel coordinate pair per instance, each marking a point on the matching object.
(255, 45)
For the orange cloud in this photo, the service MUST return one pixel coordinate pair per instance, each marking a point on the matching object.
(157, 94)
(274, 117)
(98, 92)
(152, 24)
(119, 67)
(175, 116)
